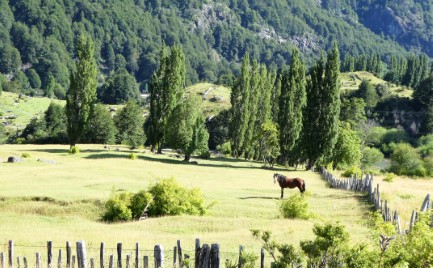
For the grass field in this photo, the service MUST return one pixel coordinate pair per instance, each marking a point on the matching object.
(75, 186)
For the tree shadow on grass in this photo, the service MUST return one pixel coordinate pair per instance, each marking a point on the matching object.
(62, 151)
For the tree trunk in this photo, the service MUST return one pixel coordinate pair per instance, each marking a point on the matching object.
(187, 157)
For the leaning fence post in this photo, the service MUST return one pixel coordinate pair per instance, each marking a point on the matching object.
(215, 256)
(11, 253)
(158, 253)
(68, 254)
(204, 256)
(145, 262)
(59, 262)
(262, 258)
(38, 260)
(179, 252)
(137, 255)
(119, 255)
(81, 254)
(241, 249)
(101, 255)
(197, 252)
(49, 253)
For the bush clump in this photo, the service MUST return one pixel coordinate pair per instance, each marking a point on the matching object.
(224, 148)
(389, 177)
(163, 198)
(352, 172)
(74, 150)
(132, 156)
(295, 207)
(25, 155)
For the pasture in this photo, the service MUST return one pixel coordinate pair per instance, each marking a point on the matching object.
(63, 201)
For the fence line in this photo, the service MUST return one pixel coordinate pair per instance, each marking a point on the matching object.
(366, 185)
(204, 256)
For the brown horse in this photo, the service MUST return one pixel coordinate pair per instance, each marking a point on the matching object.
(285, 182)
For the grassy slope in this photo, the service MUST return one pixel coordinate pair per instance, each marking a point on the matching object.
(244, 194)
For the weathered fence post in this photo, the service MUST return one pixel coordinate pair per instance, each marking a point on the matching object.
(74, 259)
(49, 253)
(92, 263)
(137, 255)
(412, 220)
(426, 204)
(25, 262)
(174, 256)
(197, 252)
(101, 255)
(18, 262)
(68, 254)
(111, 262)
(128, 257)
(204, 259)
(262, 258)
(215, 256)
(158, 254)
(241, 249)
(179, 253)
(38, 260)
(11, 254)
(119, 255)
(145, 262)
(59, 261)
(2, 260)
(81, 254)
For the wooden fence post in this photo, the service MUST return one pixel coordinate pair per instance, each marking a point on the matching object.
(18, 262)
(92, 263)
(158, 253)
(241, 249)
(262, 258)
(38, 260)
(74, 259)
(59, 262)
(204, 259)
(179, 253)
(81, 254)
(11, 254)
(145, 262)
(137, 255)
(111, 262)
(49, 253)
(101, 255)
(197, 252)
(119, 255)
(68, 254)
(25, 262)
(2, 260)
(128, 257)
(215, 256)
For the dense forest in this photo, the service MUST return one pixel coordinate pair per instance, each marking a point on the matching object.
(38, 37)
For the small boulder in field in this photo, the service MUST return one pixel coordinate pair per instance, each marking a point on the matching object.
(14, 159)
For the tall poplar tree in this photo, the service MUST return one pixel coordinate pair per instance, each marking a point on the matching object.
(292, 103)
(239, 99)
(82, 90)
(321, 116)
(166, 90)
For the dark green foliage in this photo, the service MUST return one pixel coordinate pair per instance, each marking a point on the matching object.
(82, 91)
(120, 87)
(34, 79)
(347, 150)
(10, 59)
(353, 112)
(218, 128)
(139, 202)
(117, 208)
(352, 172)
(405, 160)
(101, 128)
(129, 123)
(371, 156)
(368, 93)
(291, 105)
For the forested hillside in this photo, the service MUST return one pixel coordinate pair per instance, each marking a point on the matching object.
(38, 37)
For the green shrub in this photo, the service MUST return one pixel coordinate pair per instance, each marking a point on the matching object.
(117, 208)
(371, 156)
(295, 207)
(428, 165)
(139, 201)
(406, 161)
(25, 155)
(375, 136)
(224, 148)
(74, 150)
(205, 154)
(352, 172)
(170, 198)
(389, 177)
(132, 156)
(248, 260)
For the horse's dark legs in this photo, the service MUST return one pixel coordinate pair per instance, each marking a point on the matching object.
(282, 193)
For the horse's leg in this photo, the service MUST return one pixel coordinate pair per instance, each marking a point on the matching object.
(282, 192)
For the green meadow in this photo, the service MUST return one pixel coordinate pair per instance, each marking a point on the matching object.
(63, 201)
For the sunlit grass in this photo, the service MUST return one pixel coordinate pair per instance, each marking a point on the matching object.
(62, 202)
